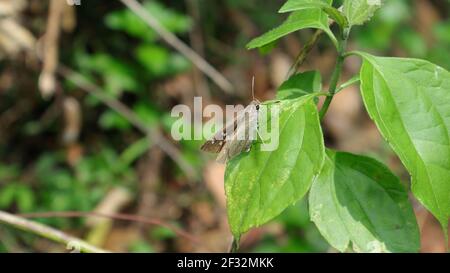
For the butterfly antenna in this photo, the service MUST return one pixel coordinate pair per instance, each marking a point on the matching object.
(253, 87)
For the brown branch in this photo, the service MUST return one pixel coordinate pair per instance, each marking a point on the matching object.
(196, 39)
(47, 232)
(149, 168)
(50, 51)
(116, 216)
(179, 45)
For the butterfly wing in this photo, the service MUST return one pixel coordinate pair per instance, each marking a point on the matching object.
(213, 146)
(217, 142)
(233, 148)
(243, 138)
(234, 137)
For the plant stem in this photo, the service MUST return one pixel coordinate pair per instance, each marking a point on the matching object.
(336, 75)
(301, 57)
(234, 245)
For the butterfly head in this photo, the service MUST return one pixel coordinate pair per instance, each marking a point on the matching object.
(255, 103)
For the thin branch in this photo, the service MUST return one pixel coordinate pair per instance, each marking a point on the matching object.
(50, 52)
(196, 39)
(179, 45)
(48, 232)
(116, 216)
(304, 52)
(154, 136)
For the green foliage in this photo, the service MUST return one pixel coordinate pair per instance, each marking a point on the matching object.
(141, 247)
(19, 195)
(355, 200)
(149, 61)
(325, 5)
(379, 32)
(300, 85)
(409, 101)
(393, 26)
(126, 20)
(113, 120)
(440, 50)
(293, 5)
(261, 184)
(358, 200)
(156, 59)
(359, 11)
(117, 76)
(299, 233)
(162, 233)
(314, 18)
(63, 189)
(159, 61)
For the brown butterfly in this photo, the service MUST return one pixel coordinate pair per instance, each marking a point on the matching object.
(237, 136)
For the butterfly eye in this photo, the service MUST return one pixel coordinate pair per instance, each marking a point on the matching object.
(257, 107)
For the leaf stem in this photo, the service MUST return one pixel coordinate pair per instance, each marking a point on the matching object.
(336, 74)
(234, 245)
(301, 57)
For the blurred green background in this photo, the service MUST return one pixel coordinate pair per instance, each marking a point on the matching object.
(71, 152)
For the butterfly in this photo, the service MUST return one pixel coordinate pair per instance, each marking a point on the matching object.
(237, 135)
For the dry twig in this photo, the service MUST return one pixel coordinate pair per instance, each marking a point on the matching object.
(50, 51)
(196, 39)
(48, 232)
(179, 45)
(117, 216)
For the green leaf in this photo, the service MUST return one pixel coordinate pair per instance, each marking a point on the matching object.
(259, 185)
(360, 11)
(266, 49)
(300, 85)
(294, 5)
(313, 18)
(325, 5)
(409, 100)
(358, 200)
